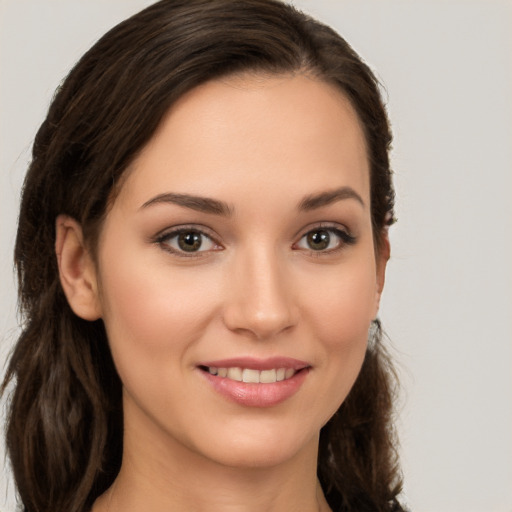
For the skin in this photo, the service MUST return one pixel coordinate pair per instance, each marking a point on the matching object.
(261, 145)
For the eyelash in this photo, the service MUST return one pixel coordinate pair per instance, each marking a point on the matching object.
(344, 239)
(163, 241)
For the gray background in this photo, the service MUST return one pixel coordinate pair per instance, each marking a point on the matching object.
(447, 69)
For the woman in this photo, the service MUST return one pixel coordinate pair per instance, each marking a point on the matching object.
(201, 251)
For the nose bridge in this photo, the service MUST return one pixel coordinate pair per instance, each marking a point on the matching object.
(261, 299)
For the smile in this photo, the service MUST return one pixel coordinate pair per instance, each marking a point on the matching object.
(250, 375)
(253, 382)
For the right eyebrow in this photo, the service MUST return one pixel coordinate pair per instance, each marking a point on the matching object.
(314, 201)
(198, 203)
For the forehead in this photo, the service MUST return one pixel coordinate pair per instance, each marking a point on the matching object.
(253, 132)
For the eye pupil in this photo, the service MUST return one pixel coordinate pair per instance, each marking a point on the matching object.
(189, 241)
(318, 240)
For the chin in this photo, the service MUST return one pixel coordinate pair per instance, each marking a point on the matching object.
(261, 447)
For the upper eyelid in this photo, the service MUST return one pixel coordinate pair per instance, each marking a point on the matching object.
(327, 225)
(342, 233)
(175, 230)
(208, 232)
(163, 239)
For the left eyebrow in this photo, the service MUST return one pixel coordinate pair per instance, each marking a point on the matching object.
(314, 201)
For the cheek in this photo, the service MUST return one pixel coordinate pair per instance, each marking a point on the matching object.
(151, 312)
(342, 305)
(341, 312)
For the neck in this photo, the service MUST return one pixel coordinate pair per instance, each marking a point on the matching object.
(165, 476)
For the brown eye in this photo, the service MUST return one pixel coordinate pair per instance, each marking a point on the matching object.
(190, 241)
(325, 240)
(187, 242)
(318, 240)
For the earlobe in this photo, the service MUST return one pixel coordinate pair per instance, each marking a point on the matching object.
(77, 271)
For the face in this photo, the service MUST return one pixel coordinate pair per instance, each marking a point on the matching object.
(237, 273)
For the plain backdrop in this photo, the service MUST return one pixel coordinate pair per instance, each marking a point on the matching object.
(447, 71)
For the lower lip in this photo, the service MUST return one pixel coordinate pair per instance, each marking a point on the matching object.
(257, 395)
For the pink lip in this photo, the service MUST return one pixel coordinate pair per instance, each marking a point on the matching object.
(257, 395)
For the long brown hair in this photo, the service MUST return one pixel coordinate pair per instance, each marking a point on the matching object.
(64, 431)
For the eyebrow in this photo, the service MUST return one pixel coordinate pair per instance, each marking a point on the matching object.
(216, 207)
(314, 201)
(198, 203)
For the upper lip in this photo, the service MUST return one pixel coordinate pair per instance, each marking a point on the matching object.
(253, 363)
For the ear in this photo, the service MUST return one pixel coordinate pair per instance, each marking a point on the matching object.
(382, 255)
(77, 271)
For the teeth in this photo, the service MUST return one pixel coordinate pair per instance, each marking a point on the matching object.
(234, 374)
(253, 376)
(268, 376)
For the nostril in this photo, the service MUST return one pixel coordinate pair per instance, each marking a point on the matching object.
(260, 302)
(259, 325)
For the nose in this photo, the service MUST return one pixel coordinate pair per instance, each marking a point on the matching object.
(261, 302)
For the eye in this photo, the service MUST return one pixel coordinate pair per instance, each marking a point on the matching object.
(187, 241)
(325, 239)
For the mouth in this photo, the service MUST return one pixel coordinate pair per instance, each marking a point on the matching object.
(250, 375)
(256, 383)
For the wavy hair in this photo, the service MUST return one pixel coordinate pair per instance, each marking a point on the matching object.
(65, 422)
